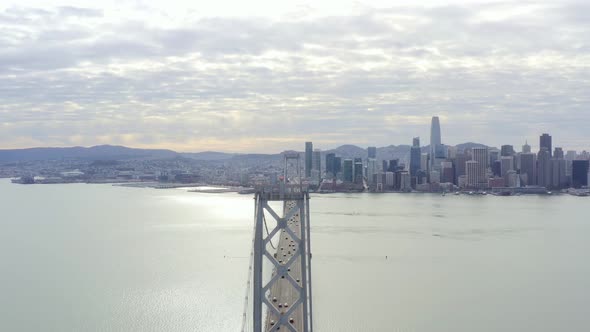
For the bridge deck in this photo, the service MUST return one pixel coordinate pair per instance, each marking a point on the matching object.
(283, 290)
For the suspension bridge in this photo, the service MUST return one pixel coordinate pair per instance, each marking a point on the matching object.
(279, 296)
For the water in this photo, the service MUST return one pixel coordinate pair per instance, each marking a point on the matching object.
(102, 258)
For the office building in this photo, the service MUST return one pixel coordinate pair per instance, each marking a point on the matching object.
(526, 148)
(435, 138)
(348, 170)
(371, 169)
(507, 164)
(558, 178)
(447, 174)
(473, 170)
(544, 168)
(308, 158)
(545, 142)
(358, 171)
(460, 161)
(330, 167)
(580, 169)
(527, 168)
(558, 153)
(507, 150)
(481, 156)
(415, 154)
(317, 161)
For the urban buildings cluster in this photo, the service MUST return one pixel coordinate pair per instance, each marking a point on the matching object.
(439, 167)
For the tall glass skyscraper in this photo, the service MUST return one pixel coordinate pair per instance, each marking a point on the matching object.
(435, 138)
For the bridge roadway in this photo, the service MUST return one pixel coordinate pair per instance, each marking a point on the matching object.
(283, 290)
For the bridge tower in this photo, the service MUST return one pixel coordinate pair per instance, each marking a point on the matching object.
(282, 301)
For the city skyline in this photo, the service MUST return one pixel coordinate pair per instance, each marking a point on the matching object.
(222, 77)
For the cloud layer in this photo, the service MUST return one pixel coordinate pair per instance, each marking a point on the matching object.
(495, 73)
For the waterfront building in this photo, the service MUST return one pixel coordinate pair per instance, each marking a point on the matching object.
(580, 170)
(358, 170)
(481, 156)
(389, 180)
(447, 174)
(558, 178)
(473, 170)
(434, 177)
(405, 181)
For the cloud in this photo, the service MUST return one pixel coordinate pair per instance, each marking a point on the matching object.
(497, 73)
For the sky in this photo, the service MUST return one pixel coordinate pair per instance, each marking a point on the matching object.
(265, 76)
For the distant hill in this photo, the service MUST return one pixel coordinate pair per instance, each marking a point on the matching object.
(100, 152)
(209, 155)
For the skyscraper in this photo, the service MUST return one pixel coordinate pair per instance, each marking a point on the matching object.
(545, 142)
(415, 156)
(543, 168)
(330, 167)
(507, 164)
(558, 153)
(580, 173)
(435, 138)
(348, 170)
(481, 156)
(527, 168)
(460, 161)
(308, 158)
(507, 150)
(558, 179)
(371, 152)
(526, 148)
(473, 175)
(317, 161)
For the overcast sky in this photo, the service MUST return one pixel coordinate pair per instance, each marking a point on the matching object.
(263, 76)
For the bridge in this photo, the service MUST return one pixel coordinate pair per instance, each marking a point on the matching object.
(279, 296)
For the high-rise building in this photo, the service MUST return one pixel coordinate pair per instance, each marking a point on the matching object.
(580, 170)
(371, 169)
(494, 155)
(507, 164)
(330, 167)
(526, 148)
(416, 141)
(447, 174)
(348, 170)
(317, 161)
(571, 155)
(481, 156)
(545, 142)
(337, 165)
(558, 178)
(308, 158)
(507, 150)
(460, 161)
(473, 169)
(543, 168)
(451, 152)
(497, 168)
(389, 180)
(558, 153)
(527, 168)
(415, 156)
(435, 138)
(371, 152)
(358, 171)
(424, 162)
